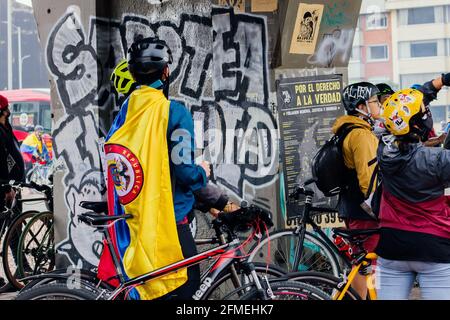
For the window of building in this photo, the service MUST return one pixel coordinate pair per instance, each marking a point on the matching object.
(379, 52)
(376, 21)
(439, 117)
(418, 49)
(407, 80)
(421, 15)
(424, 49)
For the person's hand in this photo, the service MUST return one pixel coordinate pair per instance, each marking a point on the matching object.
(432, 142)
(214, 212)
(9, 197)
(207, 167)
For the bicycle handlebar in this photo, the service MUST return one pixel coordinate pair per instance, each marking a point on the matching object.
(31, 185)
(302, 190)
(241, 219)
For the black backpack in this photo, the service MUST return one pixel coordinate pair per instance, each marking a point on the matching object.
(328, 167)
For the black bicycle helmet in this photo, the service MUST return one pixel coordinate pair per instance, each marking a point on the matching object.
(385, 89)
(147, 59)
(356, 94)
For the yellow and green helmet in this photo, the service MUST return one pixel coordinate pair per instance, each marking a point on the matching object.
(122, 79)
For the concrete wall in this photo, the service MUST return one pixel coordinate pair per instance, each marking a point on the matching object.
(221, 71)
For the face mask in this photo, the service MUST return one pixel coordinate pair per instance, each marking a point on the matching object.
(379, 129)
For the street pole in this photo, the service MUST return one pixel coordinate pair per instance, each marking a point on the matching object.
(9, 32)
(19, 49)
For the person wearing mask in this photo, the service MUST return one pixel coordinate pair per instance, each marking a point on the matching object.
(359, 151)
(11, 162)
(414, 212)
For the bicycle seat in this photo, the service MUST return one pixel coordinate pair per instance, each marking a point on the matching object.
(356, 233)
(96, 220)
(97, 207)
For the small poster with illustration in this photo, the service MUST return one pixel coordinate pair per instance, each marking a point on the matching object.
(306, 29)
(238, 5)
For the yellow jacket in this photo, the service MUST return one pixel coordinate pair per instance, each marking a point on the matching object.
(359, 149)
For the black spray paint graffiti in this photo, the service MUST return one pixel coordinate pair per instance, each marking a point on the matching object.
(220, 71)
(335, 48)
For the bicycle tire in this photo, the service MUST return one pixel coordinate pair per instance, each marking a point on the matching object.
(58, 291)
(325, 282)
(57, 276)
(326, 259)
(290, 289)
(260, 268)
(41, 256)
(8, 259)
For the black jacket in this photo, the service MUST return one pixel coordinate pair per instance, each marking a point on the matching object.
(11, 161)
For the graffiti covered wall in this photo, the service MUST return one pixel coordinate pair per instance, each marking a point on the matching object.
(220, 72)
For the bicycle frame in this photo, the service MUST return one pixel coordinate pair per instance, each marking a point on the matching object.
(369, 278)
(226, 254)
(305, 220)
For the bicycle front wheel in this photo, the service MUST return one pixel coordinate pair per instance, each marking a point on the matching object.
(327, 283)
(281, 248)
(36, 254)
(289, 290)
(224, 287)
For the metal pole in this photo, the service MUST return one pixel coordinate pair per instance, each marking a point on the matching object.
(19, 53)
(9, 32)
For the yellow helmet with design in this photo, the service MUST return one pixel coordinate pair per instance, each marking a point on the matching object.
(404, 113)
(122, 79)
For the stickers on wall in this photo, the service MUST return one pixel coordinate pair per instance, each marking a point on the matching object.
(306, 29)
(264, 5)
(238, 5)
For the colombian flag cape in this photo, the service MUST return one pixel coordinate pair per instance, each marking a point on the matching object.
(139, 184)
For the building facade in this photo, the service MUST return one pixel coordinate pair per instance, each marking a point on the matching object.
(402, 43)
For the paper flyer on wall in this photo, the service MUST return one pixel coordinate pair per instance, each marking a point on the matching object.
(308, 108)
(306, 29)
(264, 5)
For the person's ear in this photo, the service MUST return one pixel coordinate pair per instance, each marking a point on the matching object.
(166, 73)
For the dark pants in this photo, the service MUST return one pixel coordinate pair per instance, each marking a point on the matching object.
(186, 291)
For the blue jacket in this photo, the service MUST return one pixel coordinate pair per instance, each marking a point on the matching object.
(187, 176)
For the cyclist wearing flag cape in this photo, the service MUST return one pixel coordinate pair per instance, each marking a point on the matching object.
(152, 176)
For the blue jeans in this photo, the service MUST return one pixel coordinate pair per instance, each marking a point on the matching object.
(395, 279)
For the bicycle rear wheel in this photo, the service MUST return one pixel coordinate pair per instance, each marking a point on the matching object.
(289, 290)
(58, 291)
(281, 247)
(11, 245)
